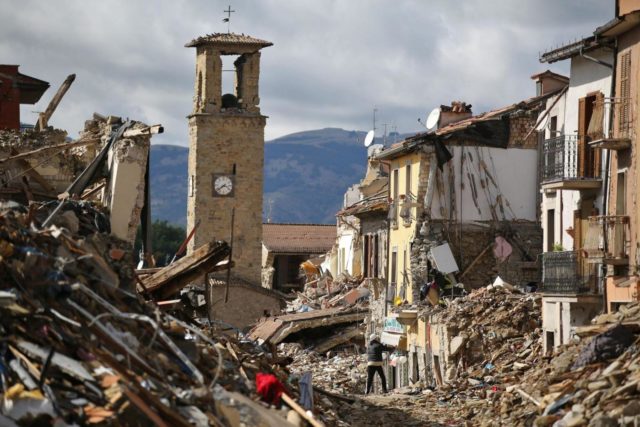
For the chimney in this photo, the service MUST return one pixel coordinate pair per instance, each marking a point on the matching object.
(457, 111)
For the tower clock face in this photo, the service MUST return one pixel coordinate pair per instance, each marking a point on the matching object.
(223, 185)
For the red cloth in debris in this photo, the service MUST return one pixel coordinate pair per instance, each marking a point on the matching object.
(269, 388)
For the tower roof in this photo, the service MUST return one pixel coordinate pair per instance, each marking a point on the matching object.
(229, 41)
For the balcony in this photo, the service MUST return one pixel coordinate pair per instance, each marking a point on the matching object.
(566, 273)
(612, 124)
(568, 167)
(607, 240)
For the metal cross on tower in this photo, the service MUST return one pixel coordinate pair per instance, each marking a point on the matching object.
(228, 18)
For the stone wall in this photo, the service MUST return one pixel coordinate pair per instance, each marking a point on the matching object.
(246, 304)
(520, 125)
(217, 144)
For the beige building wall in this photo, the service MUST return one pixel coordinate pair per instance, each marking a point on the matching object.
(401, 233)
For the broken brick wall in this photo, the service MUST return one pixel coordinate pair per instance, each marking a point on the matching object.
(469, 243)
(520, 126)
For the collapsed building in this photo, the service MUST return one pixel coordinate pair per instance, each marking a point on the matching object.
(457, 211)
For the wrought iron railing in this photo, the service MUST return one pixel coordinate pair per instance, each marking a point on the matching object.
(607, 238)
(566, 273)
(561, 158)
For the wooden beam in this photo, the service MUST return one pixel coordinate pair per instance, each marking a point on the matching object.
(300, 410)
(475, 261)
(43, 118)
(175, 276)
(149, 130)
(337, 339)
(32, 173)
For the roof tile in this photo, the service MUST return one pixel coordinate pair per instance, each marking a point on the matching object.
(298, 238)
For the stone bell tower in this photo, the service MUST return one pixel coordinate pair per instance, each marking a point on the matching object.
(226, 151)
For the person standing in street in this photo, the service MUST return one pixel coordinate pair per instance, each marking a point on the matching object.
(374, 362)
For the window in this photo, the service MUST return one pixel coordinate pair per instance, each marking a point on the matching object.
(588, 158)
(367, 256)
(192, 185)
(395, 185)
(408, 182)
(621, 186)
(553, 127)
(405, 267)
(375, 256)
(551, 229)
(394, 266)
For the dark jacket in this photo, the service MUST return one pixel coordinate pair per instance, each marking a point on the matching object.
(375, 349)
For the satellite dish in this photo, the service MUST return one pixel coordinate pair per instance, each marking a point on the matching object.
(433, 118)
(369, 138)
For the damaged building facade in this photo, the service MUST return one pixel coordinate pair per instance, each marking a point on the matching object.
(455, 207)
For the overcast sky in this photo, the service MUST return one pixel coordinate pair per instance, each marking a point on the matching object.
(331, 62)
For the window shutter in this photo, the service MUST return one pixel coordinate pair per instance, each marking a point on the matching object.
(625, 91)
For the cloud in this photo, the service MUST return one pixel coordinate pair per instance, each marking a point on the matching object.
(331, 62)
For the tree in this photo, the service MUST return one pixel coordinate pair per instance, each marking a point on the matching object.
(165, 240)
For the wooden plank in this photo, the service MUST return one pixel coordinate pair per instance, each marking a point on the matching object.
(337, 339)
(43, 118)
(475, 261)
(149, 130)
(32, 173)
(300, 410)
(177, 275)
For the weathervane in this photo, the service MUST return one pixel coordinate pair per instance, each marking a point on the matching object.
(228, 18)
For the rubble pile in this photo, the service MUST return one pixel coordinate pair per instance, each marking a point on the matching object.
(494, 331)
(343, 372)
(29, 139)
(591, 382)
(493, 337)
(80, 347)
(327, 293)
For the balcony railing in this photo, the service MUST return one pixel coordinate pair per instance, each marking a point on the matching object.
(566, 273)
(562, 164)
(607, 240)
(612, 124)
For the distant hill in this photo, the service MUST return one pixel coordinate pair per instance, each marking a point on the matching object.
(306, 175)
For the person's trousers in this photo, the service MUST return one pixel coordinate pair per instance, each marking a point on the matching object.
(371, 371)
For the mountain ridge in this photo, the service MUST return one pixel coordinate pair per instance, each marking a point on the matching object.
(305, 176)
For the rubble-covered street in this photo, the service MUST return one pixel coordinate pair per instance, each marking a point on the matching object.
(478, 266)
